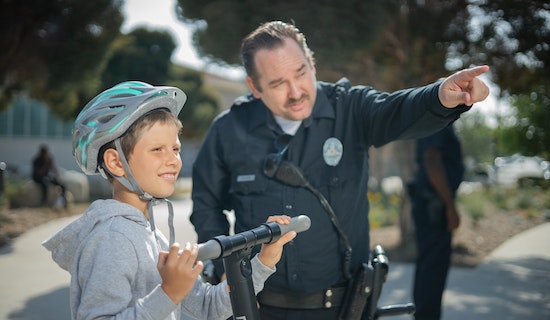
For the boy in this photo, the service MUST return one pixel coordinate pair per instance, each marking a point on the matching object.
(120, 265)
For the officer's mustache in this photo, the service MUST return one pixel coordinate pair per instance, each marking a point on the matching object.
(291, 101)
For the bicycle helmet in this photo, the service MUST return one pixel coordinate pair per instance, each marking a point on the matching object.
(107, 117)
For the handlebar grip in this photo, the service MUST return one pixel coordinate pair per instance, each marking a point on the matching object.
(299, 223)
(209, 250)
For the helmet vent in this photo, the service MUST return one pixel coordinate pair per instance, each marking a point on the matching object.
(122, 95)
(106, 118)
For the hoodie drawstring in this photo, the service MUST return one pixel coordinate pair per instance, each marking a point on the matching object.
(155, 201)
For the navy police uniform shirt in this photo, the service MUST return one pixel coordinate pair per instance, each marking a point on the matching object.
(331, 148)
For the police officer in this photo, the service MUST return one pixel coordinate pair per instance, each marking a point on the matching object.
(325, 129)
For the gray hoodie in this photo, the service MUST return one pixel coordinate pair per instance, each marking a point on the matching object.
(111, 254)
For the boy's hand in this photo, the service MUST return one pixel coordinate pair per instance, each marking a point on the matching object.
(179, 271)
(271, 253)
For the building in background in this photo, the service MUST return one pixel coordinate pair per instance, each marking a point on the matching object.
(29, 123)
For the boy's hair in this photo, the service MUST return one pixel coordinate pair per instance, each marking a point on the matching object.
(270, 35)
(130, 138)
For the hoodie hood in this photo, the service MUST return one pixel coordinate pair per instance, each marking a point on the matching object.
(64, 244)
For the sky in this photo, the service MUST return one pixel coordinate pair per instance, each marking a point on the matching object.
(161, 15)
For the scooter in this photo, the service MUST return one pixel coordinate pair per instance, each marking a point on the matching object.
(235, 250)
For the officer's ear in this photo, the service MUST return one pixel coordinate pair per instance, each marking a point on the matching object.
(256, 91)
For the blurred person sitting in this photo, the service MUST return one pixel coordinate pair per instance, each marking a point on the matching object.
(45, 173)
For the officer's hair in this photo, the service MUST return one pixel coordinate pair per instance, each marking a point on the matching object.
(270, 35)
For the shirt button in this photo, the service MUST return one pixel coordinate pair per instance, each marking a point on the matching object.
(294, 276)
(288, 206)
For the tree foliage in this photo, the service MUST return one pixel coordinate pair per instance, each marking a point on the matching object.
(528, 130)
(513, 37)
(367, 41)
(141, 54)
(145, 55)
(64, 52)
(55, 49)
(202, 103)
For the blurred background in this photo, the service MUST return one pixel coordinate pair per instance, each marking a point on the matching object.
(57, 54)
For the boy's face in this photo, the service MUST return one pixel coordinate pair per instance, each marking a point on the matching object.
(155, 160)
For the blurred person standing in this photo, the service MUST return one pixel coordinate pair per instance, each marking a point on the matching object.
(439, 173)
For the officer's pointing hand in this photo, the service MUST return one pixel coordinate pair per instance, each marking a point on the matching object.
(463, 87)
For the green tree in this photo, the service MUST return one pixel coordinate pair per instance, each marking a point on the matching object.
(55, 50)
(202, 102)
(145, 55)
(141, 54)
(229, 21)
(367, 41)
(528, 129)
(513, 37)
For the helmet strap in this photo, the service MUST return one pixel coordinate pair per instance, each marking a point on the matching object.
(132, 185)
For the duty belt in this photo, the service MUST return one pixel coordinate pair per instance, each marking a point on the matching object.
(325, 299)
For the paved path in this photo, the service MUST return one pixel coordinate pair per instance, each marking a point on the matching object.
(513, 283)
(32, 286)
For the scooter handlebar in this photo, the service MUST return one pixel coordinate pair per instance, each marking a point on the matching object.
(223, 246)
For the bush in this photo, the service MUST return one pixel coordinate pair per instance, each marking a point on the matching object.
(473, 204)
(12, 189)
(529, 201)
(384, 209)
